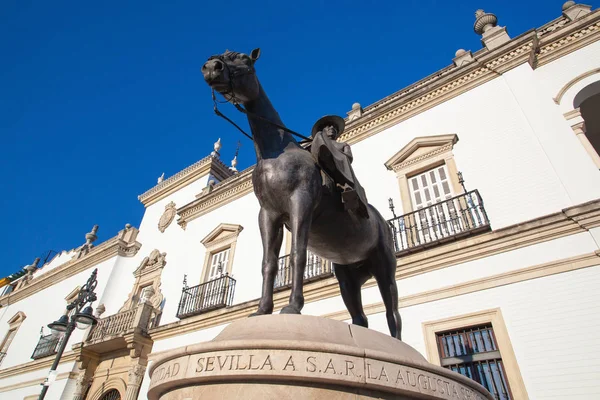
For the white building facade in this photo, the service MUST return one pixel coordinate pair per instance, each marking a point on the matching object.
(492, 165)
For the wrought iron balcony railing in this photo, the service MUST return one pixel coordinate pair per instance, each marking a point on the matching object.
(447, 220)
(113, 325)
(316, 268)
(46, 346)
(217, 293)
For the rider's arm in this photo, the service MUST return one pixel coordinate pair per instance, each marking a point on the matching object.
(346, 150)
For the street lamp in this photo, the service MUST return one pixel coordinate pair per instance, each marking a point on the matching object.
(82, 318)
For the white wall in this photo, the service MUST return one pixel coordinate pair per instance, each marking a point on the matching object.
(514, 147)
(552, 323)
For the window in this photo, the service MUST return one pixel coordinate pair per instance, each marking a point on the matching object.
(220, 249)
(13, 325)
(477, 345)
(430, 187)
(112, 394)
(218, 263)
(473, 352)
(147, 282)
(6, 343)
(426, 171)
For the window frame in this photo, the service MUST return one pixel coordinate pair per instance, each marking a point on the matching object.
(221, 238)
(421, 155)
(14, 323)
(494, 317)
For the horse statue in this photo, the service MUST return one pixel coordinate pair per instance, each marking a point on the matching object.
(292, 191)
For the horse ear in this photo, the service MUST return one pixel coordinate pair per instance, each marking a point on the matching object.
(255, 54)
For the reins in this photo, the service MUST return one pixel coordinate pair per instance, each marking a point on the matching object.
(241, 109)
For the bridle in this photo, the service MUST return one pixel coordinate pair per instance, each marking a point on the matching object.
(236, 103)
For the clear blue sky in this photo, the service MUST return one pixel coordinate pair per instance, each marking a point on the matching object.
(97, 99)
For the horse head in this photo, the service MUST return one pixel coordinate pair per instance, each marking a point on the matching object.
(232, 74)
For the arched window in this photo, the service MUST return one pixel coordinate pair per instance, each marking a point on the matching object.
(579, 101)
(112, 394)
(588, 102)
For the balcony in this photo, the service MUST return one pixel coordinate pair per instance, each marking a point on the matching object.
(217, 293)
(113, 325)
(452, 219)
(316, 268)
(47, 346)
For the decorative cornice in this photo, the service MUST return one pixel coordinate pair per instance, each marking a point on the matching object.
(557, 39)
(116, 246)
(232, 229)
(223, 193)
(574, 220)
(41, 364)
(554, 40)
(185, 177)
(438, 144)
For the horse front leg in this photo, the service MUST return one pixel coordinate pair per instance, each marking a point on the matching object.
(300, 221)
(271, 232)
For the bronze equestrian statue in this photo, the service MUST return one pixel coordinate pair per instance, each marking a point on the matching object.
(293, 192)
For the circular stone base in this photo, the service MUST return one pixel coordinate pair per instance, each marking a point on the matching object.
(303, 357)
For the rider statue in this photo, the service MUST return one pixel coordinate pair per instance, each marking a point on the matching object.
(335, 158)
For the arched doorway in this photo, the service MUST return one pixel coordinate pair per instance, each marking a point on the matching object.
(112, 394)
(588, 102)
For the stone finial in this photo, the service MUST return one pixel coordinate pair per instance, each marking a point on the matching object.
(100, 310)
(573, 11)
(161, 178)
(484, 22)
(217, 147)
(33, 267)
(234, 162)
(355, 113)
(486, 25)
(462, 57)
(90, 237)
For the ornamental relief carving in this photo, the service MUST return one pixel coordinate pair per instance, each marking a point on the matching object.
(167, 217)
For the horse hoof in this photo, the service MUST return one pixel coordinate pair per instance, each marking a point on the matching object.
(289, 309)
(258, 313)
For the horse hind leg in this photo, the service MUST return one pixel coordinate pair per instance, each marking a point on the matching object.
(383, 267)
(271, 232)
(351, 280)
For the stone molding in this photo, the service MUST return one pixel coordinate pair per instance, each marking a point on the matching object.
(124, 245)
(223, 193)
(149, 272)
(41, 364)
(558, 98)
(557, 40)
(215, 241)
(167, 217)
(503, 279)
(16, 320)
(36, 382)
(184, 177)
(439, 144)
(112, 383)
(568, 222)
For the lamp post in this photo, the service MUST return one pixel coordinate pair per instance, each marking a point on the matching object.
(82, 318)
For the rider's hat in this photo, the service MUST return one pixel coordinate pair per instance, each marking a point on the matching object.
(329, 120)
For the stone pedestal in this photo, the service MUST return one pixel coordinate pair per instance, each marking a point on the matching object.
(303, 357)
